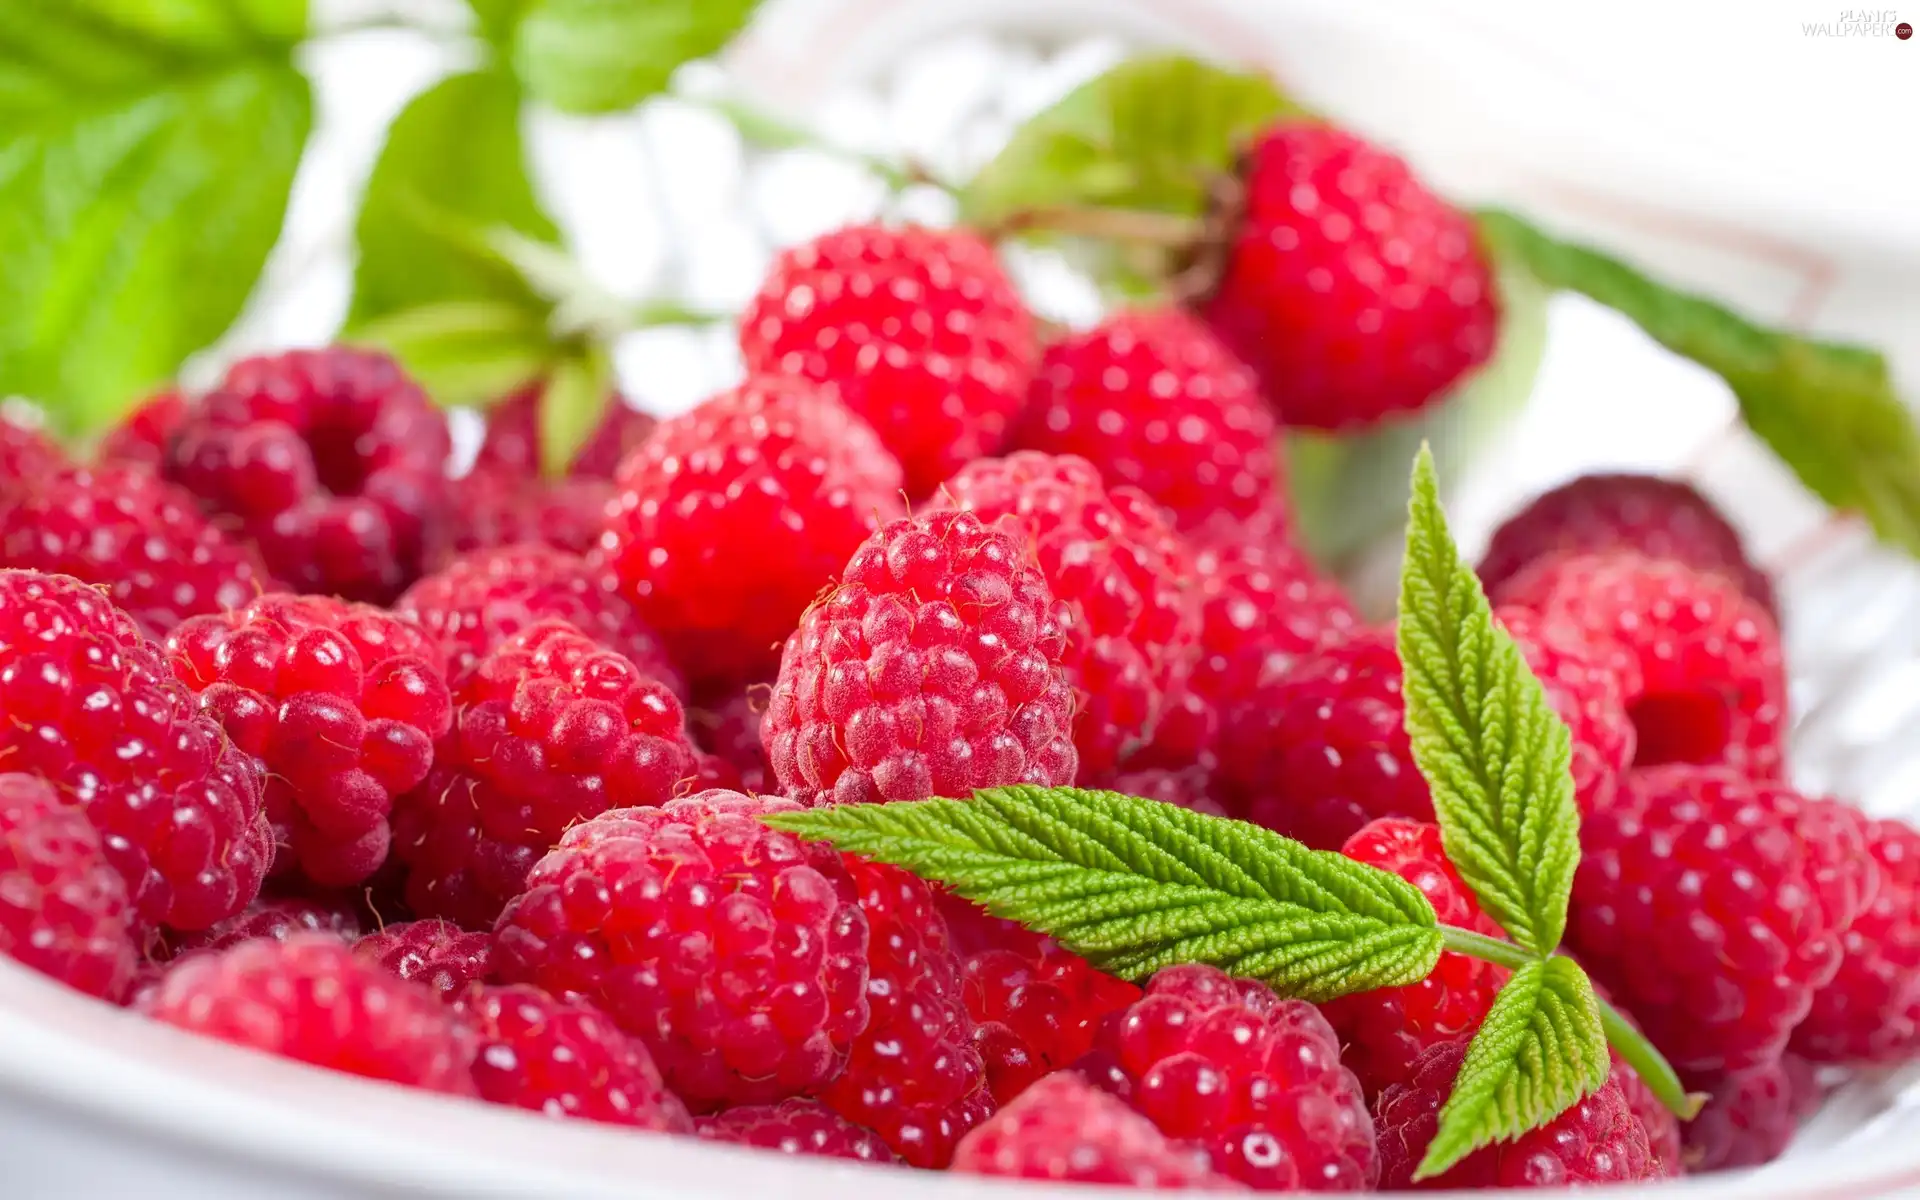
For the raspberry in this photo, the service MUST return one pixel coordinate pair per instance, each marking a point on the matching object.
(512, 444)
(1191, 788)
(1113, 559)
(63, 909)
(1255, 1079)
(1870, 1013)
(1662, 1126)
(933, 669)
(476, 602)
(1352, 291)
(24, 455)
(1643, 514)
(773, 462)
(730, 731)
(1153, 400)
(330, 460)
(308, 998)
(1064, 1131)
(278, 918)
(736, 953)
(1749, 1118)
(914, 1076)
(548, 730)
(341, 702)
(1587, 695)
(489, 508)
(437, 953)
(795, 1126)
(141, 437)
(918, 331)
(1712, 907)
(1712, 687)
(139, 538)
(1598, 1140)
(1036, 1010)
(92, 708)
(564, 1058)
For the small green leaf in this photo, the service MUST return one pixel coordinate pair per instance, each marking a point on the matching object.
(1539, 1050)
(1136, 885)
(571, 406)
(497, 19)
(598, 56)
(470, 352)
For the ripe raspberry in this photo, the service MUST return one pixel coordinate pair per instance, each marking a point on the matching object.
(730, 731)
(1870, 1013)
(1749, 1118)
(475, 603)
(139, 538)
(1662, 1126)
(1153, 400)
(1063, 1130)
(141, 437)
(489, 508)
(1255, 1079)
(437, 953)
(92, 709)
(1642, 514)
(308, 998)
(1113, 559)
(548, 730)
(24, 454)
(1598, 1140)
(795, 1126)
(341, 702)
(1191, 788)
(918, 331)
(565, 1058)
(1712, 686)
(737, 954)
(278, 918)
(512, 444)
(330, 460)
(1586, 693)
(1352, 291)
(1712, 908)
(933, 669)
(1036, 1009)
(63, 909)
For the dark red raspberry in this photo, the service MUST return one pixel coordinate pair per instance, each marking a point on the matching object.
(737, 954)
(795, 1126)
(1191, 788)
(1036, 1009)
(1712, 908)
(330, 460)
(1351, 290)
(308, 998)
(142, 436)
(565, 1058)
(91, 707)
(1587, 692)
(1598, 1140)
(548, 730)
(341, 702)
(278, 918)
(1153, 400)
(1870, 1013)
(1712, 684)
(730, 731)
(512, 443)
(1749, 1118)
(437, 953)
(488, 508)
(774, 462)
(1255, 1079)
(1063, 1130)
(24, 454)
(933, 669)
(918, 331)
(1644, 514)
(63, 908)
(138, 537)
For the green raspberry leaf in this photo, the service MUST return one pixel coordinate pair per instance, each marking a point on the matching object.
(1828, 410)
(1135, 885)
(1539, 1050)
(571, 406)
(600, 56)
(469, 352)
(496, 19)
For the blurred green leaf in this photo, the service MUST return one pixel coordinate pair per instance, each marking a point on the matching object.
(497, 19)
(571, 406)
(598, 56)
(466, 351)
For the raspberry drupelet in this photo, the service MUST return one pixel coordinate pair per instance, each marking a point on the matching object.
(437, 953)
(279, 918)
(63, 908)
(1870, 1013)
(1064, 1130)
(796, 1125)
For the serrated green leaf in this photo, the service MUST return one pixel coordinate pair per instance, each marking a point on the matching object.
(598, 56)
(470, 352)
(1539, 1050)
(1493, 752)
(571, 406)
(1135, 885)
(1828, 410)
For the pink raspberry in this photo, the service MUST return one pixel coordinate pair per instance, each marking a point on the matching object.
(486, 509)
(1587, 692)
(1191, 788)
(25, 454)
(437, 953)
(1870, 1012)
(63, 908)
(1749, 1118)
(1063, 1130)
(512, 444)
(795, 1126)
(1036, 1010)
(142, 436)
(279, 918)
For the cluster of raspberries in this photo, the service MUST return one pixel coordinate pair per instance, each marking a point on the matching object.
(457, 783)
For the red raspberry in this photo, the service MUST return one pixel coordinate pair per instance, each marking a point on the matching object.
(1036, 1010)
(737, 954)
(795, 1126)
(565, 1058)
(1662, 1126)
(489, 508)
(331, 460)
(933, 669)
(1255, 1079)
(92, 708)
(512, 444)
(476, 602)
(548, 730)
(278, 918)
(341, 702)
(1191, 788)
(1643, 514)
(1598, 1140)
(1153, 400)
(142, 436)
(1749, 1118)
(437, 953)
(24, 454)
(1113, 559)
(63, 909)
(139, 538)
(1351, 290)
(1586, 692)
(1712, 908)
(1063, 1130)
(773, 462)
(918, 331)
(1712, 687)
(730, 731)
(1870, 1013)
(308, 998)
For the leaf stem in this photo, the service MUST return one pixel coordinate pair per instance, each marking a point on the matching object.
(1484, 948)
(1134, 226)
(651, 314)
(761, 128)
